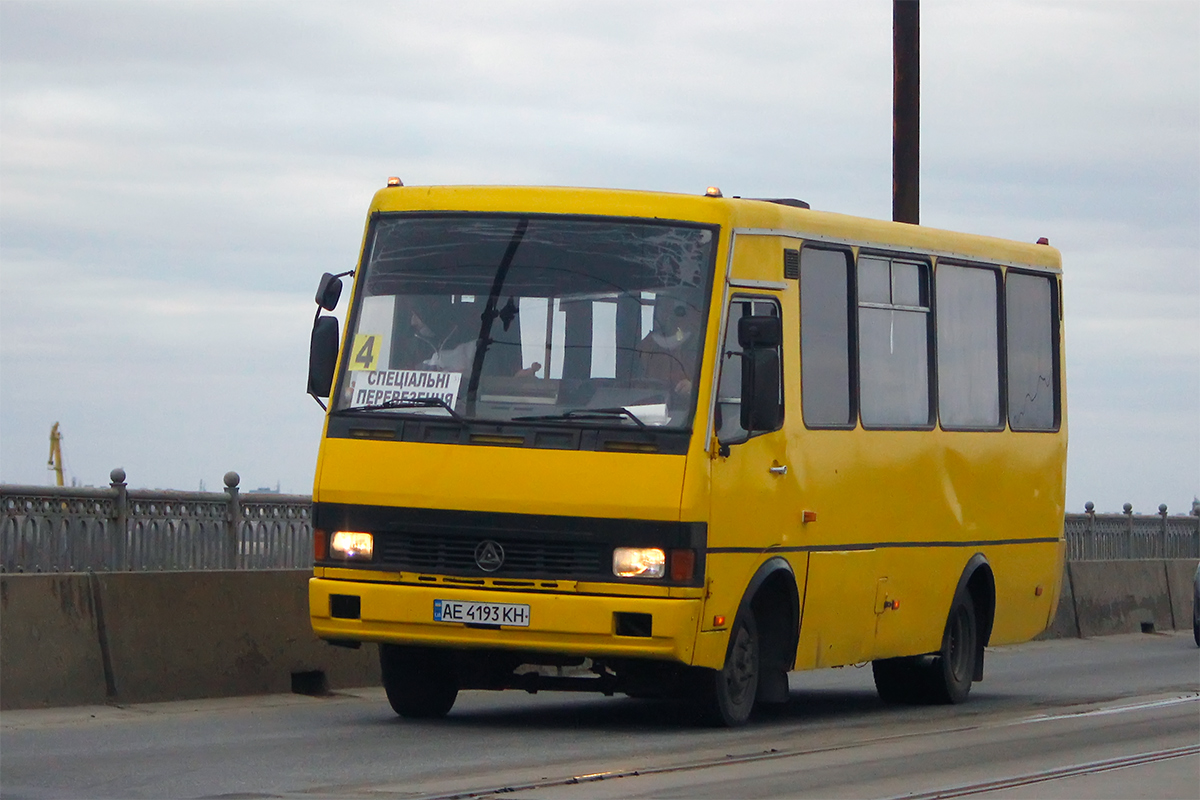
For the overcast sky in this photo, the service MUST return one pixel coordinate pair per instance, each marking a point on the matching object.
(175, 176)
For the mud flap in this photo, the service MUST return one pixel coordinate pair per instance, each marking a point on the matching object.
(773, 687)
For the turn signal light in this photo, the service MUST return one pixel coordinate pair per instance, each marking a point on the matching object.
(318, 545)
(683, 565)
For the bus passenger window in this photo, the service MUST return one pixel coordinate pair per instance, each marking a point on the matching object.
(729, 388)
(968, 347)
(1032, 367)
(825, 325)
(893, 337)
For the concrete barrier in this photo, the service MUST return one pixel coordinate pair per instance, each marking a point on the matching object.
(1180, 573)
(1065, 624)
(183, 635)
(49, 642)
(75, 639)
(166, 636)
(1120, 596)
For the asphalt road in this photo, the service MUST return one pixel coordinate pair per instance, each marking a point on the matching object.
(1109, 717)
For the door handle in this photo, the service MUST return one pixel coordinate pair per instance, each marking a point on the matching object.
(778, 469)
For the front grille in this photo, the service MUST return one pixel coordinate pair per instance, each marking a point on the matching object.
(455, 555)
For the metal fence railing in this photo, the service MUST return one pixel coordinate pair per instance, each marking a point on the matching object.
(60, 529)
(52, 529)
(1113, 537)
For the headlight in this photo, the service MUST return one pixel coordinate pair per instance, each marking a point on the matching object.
(351, 546)
(639, 562)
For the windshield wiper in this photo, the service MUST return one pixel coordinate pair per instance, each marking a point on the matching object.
(414, 402)
(586, 413)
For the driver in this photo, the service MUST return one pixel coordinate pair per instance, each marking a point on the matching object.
(670, 351)
(433, 334)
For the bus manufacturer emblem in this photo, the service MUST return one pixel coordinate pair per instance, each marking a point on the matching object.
(489, 555)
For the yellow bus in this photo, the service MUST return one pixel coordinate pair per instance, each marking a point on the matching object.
(659, 444)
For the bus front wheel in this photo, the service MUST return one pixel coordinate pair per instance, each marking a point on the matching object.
(726, 696)
(420, 683)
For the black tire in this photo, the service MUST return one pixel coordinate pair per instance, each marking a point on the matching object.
(420, 682)
(726, 696)
(953, 668)
(902, 680)
(943, 677)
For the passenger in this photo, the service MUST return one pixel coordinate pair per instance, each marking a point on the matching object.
(670, 351)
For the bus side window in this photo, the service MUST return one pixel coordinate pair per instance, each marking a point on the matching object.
(729, 386)
(893, 342)
(826, 323)
(968, 346)
(1033, 403)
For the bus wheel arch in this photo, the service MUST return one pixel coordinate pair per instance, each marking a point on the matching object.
(968, 629)
(979, 583)
(764, 633)
(772, 597)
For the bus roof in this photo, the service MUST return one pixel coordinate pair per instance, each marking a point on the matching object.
(742, 215)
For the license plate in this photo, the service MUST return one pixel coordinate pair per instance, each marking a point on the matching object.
(472, 613)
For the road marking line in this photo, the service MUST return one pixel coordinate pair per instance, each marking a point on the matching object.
(1101, 712)
(1090, 768)
(773, 754)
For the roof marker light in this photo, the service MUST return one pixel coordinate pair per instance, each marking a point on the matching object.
(395, 182)
(1043, 240)
(713, 191)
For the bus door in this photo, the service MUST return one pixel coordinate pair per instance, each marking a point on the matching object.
(755, 506)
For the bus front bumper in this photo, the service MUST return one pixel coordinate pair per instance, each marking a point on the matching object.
(567, 624)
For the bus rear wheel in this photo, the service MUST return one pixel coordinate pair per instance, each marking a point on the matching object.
(945, 676)
(901, 680)
(726, 696)
(953, 668)
(420, 682)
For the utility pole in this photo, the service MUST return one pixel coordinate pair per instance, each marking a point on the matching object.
(906, 110)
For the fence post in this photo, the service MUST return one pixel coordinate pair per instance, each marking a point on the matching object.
(1092, 548)
(1162, 530)
(1195, 532)
(120, 560)
(233, 519)
(1128, 508)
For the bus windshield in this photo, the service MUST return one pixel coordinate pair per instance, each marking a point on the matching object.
(566, 320)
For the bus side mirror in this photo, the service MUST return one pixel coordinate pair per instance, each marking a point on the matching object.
(322, 356)
(329, 291)
(760, 339)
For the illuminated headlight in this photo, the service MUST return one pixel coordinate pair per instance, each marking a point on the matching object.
(351, 546)
(639, 562)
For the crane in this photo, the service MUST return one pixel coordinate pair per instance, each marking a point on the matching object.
(55, 463)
